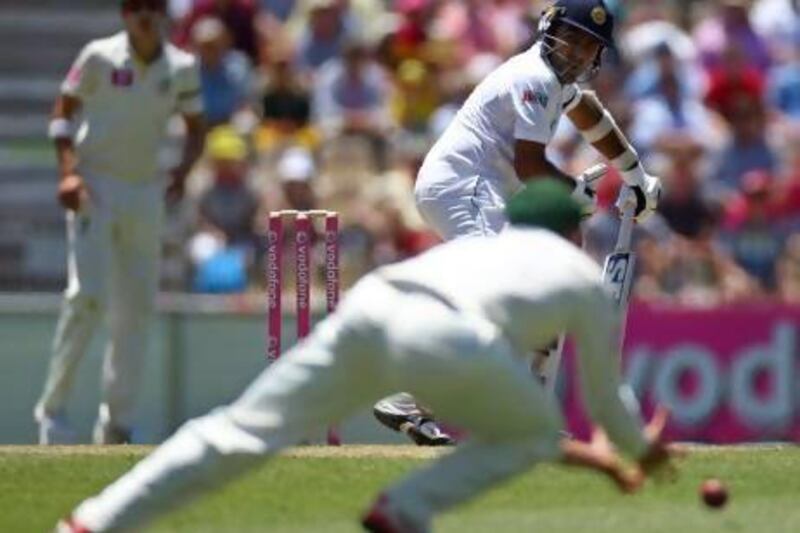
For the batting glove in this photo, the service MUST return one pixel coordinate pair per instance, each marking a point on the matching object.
(585, 191)
(647, 197)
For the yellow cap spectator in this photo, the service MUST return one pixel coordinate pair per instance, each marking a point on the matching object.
(224, 143)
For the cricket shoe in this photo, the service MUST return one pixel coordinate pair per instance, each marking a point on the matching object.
(110, 434)
(422, 430)
(55, 430)
(69, 525)
(382, 518)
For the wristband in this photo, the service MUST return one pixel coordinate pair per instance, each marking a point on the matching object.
(60, 128)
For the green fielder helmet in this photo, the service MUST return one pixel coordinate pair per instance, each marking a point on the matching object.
(545, 203)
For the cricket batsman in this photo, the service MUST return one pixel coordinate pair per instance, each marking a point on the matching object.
(425, 326)
(497, 141)
(107, 126)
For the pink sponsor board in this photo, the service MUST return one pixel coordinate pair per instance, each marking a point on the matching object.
(729, 374)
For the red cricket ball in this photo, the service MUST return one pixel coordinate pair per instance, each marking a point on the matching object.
(713, 493)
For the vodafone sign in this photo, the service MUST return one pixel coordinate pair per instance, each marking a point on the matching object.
(729, 374)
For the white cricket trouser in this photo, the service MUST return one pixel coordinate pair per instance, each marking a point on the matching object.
(452, 215)
(381, 339)
(114, 248)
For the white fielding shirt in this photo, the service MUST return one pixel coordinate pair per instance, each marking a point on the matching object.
(126, 105)
(521, 99)
(532, 297)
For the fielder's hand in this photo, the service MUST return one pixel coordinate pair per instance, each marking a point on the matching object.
(658, 459)
(585, 191)
(72, 193)
(600, 456)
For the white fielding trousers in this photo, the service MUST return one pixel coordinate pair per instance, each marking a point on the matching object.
(113, 255)
(381, 339)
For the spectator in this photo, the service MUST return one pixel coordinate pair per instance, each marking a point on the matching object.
(691, 272)
(753, 231)
(685, 204)
(641, 46)
(777, 22)
(784, 85)
(730, 26)
(411, 36)
(671, 110)
(323, 36)
(468, 26)
(747, 148)
(223, 248)
(351, 97)
(224, 73)
(243, 19)
(296, 171)
(177, 9)
(218, 269)
(286, 108)
(228, 207)
(416, 95)
(280, 9)
(733, 80)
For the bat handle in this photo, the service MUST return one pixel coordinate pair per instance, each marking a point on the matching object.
(627, 213)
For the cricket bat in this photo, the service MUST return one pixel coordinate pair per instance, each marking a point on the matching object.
(619, 264)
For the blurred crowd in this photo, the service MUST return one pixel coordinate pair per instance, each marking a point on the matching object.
(333, 104)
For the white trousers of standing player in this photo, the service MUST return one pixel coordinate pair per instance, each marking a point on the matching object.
(452, 215)
(112, 268)
(381, 339)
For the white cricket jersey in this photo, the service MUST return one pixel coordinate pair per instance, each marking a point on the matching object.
(533, 285)
(521, 99)
(126, 105)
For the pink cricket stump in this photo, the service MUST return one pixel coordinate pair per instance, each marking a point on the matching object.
(332, 286)
(331, 261)
(274, 280)
(302, 252)
(303, 227)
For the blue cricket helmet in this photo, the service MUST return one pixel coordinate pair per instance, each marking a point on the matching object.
(591, 16)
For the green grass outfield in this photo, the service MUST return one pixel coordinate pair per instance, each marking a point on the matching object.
(320, 489)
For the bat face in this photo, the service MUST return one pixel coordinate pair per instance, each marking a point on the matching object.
(618, 275)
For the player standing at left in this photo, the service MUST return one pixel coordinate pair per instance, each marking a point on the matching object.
(107, 126)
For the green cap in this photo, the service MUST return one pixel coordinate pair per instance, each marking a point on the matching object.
(545, 203)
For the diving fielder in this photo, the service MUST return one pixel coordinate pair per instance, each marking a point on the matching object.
(497, 141)
(107, 125)
(425, 326)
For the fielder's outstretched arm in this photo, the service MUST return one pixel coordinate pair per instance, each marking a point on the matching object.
(610, 403)
(603, 460)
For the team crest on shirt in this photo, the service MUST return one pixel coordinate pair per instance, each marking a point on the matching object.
(531, 96)
(122, 77)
